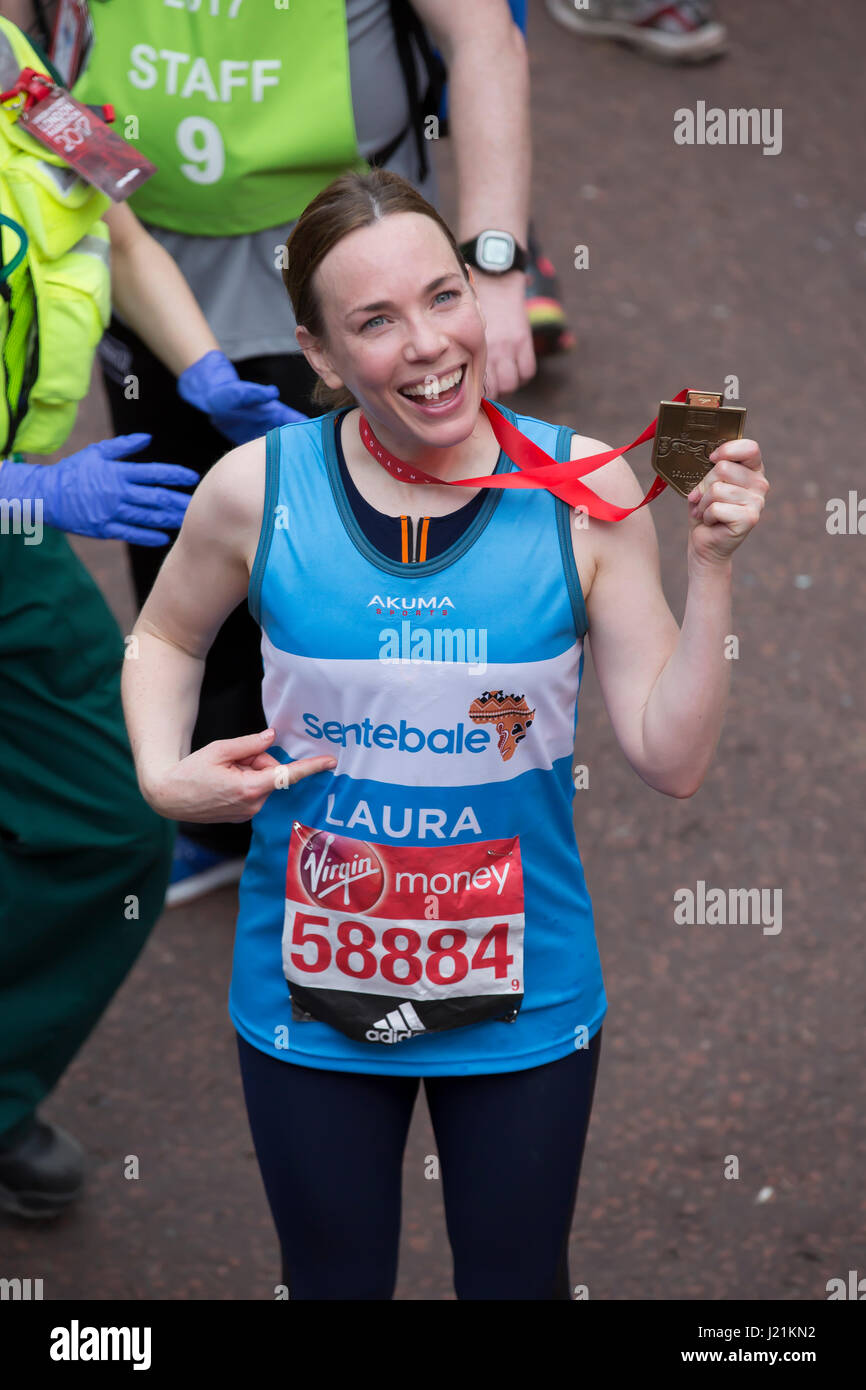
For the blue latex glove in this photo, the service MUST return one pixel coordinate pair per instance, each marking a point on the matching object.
(99, 492)
(241, 410)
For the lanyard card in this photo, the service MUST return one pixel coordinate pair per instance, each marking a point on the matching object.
(70, 39)
(85, 142)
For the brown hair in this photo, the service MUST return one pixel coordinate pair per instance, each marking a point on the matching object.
(350, 201)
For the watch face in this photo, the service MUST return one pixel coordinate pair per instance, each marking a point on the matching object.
(496, 250)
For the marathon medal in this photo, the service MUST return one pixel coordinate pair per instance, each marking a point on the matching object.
(688, 432)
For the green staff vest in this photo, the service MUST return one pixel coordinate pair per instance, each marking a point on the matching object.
(245, 106)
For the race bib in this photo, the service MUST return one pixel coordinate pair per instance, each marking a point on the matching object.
(387, 942)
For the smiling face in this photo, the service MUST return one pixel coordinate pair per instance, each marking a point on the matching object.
(399, 312)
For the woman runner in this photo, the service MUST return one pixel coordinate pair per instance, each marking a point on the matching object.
(413, 904)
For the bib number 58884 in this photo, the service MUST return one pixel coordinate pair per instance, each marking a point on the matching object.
(402, 956)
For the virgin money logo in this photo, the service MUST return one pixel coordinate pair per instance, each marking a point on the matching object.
(341, 873)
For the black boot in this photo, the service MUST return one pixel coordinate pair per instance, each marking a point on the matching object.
(41, 1169)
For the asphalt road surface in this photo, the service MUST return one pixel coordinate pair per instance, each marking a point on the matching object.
(705, 262)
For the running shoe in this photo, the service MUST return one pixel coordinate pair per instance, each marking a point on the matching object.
(550, 332)
(196, 871)
(684, 32)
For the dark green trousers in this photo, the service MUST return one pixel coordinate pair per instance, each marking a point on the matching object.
(84, 862)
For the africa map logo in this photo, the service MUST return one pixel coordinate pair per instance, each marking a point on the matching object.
(511, 715)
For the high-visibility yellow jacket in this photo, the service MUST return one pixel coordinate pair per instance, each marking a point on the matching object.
(55, 303)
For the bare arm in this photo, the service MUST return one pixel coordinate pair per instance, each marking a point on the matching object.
(151, 293)
(488, 83)
(204, 577)
(20, 12)
(665, 688)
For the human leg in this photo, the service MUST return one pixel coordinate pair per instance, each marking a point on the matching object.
(84, 861)
(330, 1149)
(510, 1150)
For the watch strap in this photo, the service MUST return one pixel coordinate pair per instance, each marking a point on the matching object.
(468, 249)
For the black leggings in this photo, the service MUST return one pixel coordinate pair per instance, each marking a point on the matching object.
(330, 1148)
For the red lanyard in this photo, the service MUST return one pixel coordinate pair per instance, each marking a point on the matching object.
(536, 468)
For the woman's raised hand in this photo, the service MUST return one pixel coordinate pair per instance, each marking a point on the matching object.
(228, 780)
(727, 503)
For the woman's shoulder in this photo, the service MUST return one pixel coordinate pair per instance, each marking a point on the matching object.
(230, 498)
(618, 483)
(237, 475)
(615, 481)
(596, 542)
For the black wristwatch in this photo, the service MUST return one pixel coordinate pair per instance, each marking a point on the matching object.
(494, 252)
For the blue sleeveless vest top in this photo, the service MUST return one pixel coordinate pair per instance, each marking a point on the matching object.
(378, 664)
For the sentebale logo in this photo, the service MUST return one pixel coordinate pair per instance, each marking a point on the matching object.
(402, 738)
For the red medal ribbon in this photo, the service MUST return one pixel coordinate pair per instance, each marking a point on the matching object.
(536, 468)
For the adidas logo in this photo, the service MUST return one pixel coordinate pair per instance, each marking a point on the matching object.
(400, 1023)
